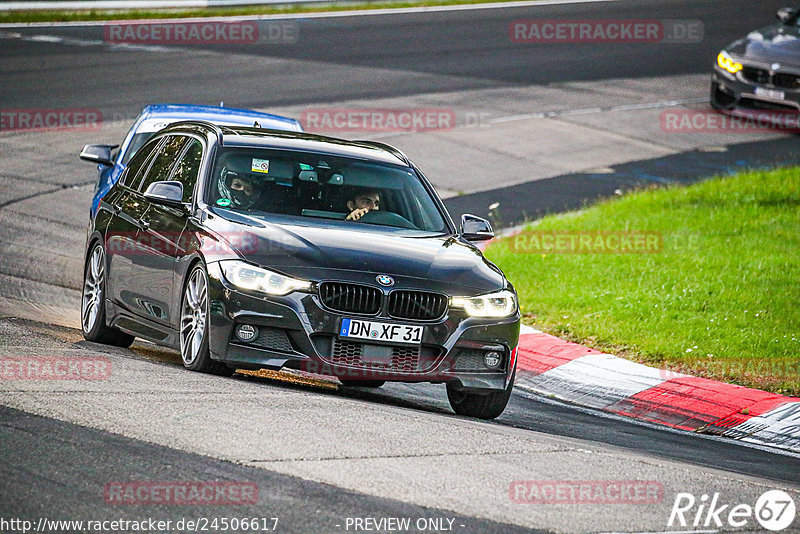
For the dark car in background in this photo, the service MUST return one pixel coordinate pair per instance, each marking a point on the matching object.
(761, 72)
(248, 248)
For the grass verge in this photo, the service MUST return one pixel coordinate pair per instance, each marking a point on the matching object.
(137, 14)
(718, 297)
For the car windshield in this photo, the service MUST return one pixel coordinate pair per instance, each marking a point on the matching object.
(310, 186)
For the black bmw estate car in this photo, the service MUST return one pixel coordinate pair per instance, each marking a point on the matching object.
(251, 248)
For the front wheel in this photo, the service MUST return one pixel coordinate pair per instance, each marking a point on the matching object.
(194, 326)
(93, 310)
(479, 404)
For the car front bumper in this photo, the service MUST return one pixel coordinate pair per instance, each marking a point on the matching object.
(296, 331)
(735, 94)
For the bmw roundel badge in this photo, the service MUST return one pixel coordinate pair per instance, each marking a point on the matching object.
(385, 280)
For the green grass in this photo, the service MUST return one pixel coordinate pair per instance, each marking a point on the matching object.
(90, 15)
(721, 299)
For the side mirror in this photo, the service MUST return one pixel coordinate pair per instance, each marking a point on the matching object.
(786, 14)
(168, 193)
(100, 154)
(474, 228)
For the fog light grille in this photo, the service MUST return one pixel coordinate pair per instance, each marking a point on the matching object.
(470, 360)
(269, 338)
(475, 360)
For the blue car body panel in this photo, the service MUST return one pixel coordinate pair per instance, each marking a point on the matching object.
(169, 113)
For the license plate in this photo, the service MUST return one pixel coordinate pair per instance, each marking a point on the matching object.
(376, 331)
(770, 93)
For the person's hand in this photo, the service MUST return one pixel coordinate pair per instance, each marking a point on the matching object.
(357, 214)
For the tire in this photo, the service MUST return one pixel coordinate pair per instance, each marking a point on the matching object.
(193, 332)
(483, 405)
(93, 310)
(363, 383)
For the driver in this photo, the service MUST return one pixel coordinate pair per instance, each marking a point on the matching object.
(362, 203)
(238, 188)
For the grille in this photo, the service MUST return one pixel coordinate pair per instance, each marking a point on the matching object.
(359, 355)
(417, 305)
(350, 298)
(750, 103)
(755, 75)
(470, 360)
(786, 81)
(270, 338)
(347, 352)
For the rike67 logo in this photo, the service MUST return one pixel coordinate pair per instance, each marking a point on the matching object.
(774, 511)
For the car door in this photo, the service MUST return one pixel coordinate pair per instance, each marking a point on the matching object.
(126, 209)
(161, 226)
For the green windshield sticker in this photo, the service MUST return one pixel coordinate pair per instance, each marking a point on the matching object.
(306, 167)
(224, 202)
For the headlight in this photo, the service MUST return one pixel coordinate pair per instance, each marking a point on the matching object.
(500, 304)
(254, 278)
(727, 63)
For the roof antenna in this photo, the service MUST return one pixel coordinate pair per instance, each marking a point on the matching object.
(221, 104)
(256, 125)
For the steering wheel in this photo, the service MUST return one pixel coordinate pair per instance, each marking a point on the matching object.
(387, 218)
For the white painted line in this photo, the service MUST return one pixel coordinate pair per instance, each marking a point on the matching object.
(596, 380)
(71, 41)
(779, 427)
(315, 15)
(136, 4)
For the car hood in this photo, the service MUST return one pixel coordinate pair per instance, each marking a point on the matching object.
(331, 251)
(773, 44)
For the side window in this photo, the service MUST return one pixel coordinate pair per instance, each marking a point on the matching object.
(164, 161)
(188, 168)
(138, 166)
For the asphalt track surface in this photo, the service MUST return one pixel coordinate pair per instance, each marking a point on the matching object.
(79, 462)
(334, 58)
(53, 468)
